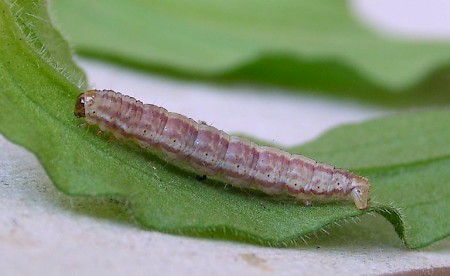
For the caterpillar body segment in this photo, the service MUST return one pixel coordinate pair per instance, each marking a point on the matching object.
(205, 150)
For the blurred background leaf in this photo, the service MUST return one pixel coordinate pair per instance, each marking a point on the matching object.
(317, 46)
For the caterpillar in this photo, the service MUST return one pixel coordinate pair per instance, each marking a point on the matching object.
(204, 150)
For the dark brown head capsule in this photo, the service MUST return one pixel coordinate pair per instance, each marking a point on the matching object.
(79, 110)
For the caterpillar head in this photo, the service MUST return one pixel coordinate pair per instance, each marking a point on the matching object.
(79, 110)
(360, 187)
(85, 99)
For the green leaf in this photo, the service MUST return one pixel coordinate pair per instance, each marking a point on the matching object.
(310, 45)
(405, 156)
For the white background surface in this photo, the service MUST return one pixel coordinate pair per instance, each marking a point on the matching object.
(43, 231)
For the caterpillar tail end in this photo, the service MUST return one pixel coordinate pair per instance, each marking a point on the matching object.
(360, 192)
